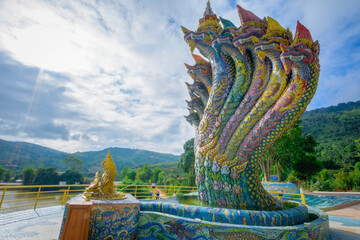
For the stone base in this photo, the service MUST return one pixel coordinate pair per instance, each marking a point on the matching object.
(109, 219)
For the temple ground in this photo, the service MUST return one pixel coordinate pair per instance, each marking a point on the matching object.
(44, 223)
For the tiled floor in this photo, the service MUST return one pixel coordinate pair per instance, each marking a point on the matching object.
(43, 223)
(345, 223)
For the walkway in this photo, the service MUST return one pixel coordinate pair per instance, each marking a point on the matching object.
(345, 221)
(45, 223)
(42, 223)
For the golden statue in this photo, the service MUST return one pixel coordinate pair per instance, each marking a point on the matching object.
(106, 190)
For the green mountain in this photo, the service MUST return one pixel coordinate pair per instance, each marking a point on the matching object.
(166, 167)
(335, 129)
(16, 155)
(123, 157)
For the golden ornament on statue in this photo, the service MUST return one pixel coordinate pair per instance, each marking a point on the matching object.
(105, 190)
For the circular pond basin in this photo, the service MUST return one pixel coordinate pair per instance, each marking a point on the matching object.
(169, 219)
(189, 207)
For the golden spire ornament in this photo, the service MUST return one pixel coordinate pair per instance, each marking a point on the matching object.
(104, 190)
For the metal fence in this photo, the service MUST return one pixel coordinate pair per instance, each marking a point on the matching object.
(337, 188)
(37, 195)
(300, 197)
(20, 197)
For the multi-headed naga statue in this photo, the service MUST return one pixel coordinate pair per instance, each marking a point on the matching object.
(256, 82)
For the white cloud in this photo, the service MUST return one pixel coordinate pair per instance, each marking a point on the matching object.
(123, 62)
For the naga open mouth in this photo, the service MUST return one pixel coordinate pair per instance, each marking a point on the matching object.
(194, 36)
(293, 56)
(262, 46)
(247, 37)
(220, 40)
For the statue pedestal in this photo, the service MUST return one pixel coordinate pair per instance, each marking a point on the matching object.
(113, 219)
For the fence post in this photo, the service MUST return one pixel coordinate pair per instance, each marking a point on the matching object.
(303, 200)
(135, 190)
(2, 198)
(64, 196)
(67, 193)
(278, 196)
(37, 197)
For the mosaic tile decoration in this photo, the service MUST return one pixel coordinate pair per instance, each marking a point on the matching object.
(153, 225)
(289, 217)
(111, 219)
(115, 218)
(280, 187)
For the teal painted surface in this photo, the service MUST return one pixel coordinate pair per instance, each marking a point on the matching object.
(280, 187)
(321, 201)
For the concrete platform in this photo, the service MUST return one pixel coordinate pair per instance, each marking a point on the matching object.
(44, 224)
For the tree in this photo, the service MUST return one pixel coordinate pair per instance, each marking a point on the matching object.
(357, 166)
(187, 160)
(290, 147)
(145, 173)
(162, 179)
(306, 167)
(124, 172)
(131, 175)
(75, 164)
(2, 172)
(351, 154)
(156, 173)
(27, 175)
(45, 176)
(357, 143)
(7, 175)
(355, 175)
(71, 177)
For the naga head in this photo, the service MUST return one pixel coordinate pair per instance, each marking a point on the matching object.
(209, 26)
(302, 50)
(192, 118)
(195, 104)
(252, 26)
(190, 37)
(271, 41)
(201, 66)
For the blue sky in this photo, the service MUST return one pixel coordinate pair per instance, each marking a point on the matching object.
(86, 75)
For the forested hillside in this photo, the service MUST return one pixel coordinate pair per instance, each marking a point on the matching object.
(335, 129)
(17, 155)
(123, 157)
